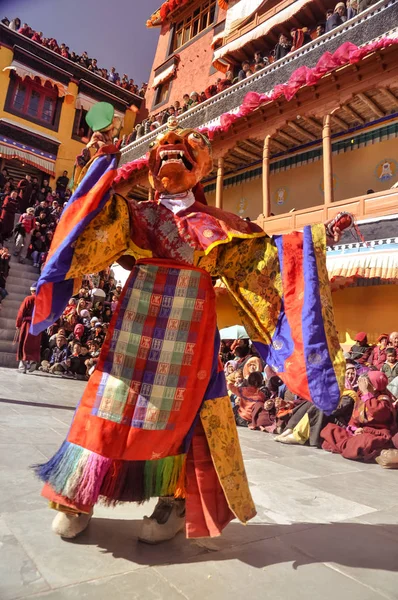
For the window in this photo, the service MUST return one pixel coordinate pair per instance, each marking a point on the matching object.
(162, 92)
(194, 24)
(80, 127)
(34, 101)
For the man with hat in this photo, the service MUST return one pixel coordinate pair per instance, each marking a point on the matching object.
(337, 18)
(28, 352)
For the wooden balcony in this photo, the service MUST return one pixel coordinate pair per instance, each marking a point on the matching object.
(375, 205)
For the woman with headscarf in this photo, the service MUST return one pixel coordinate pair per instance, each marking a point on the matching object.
(253, 364)
(372, 425)
(360, 351)
(229, 367)
(78, 336)
(378, 355)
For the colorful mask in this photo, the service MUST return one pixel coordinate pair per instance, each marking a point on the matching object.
(178, 159)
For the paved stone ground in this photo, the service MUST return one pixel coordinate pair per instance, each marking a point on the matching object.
(326, 528)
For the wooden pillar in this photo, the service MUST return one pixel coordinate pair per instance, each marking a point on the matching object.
(220, 183)
(266, 178)
(150, 193)
(327, 161)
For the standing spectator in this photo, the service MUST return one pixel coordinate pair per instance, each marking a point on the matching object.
(337, 18)
(320, 30)
(26, 30)
(47, 188)
(27, 221)
(25, 192)
(37, 37)
(6, 21)
(223, 84)
(28, 352)
(283, 47)
(62, 184)
(7, 215)
(113, 75)
(352, 9)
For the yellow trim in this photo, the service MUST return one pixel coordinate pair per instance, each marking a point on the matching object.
(231, 236)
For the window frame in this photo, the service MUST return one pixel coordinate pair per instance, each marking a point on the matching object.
(45, 93)
(184, 28)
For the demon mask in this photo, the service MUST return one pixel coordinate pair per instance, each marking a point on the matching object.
(178, 159)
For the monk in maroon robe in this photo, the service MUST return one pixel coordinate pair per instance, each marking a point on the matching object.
(372, 425)
(29, 345)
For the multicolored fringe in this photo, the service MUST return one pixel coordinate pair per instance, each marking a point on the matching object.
(84, 477)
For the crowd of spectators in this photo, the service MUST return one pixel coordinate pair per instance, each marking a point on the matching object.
(363, 425)
(83, 60)
(286, 44)
(71, 346)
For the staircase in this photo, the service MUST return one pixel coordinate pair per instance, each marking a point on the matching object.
(19, 281)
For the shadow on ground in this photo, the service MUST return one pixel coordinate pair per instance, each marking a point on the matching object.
(347, 544)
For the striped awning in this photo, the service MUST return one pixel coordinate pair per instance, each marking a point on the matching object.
(345, 270)
(164, 76)
(30, 156)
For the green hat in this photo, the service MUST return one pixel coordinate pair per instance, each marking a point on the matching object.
(100, 116)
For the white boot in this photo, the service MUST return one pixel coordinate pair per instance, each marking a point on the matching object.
(166, 521)
(279, 438)
(69, 526)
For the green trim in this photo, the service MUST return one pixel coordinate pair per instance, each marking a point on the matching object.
(352, 143)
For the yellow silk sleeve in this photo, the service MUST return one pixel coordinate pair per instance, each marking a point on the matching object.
(104, 241)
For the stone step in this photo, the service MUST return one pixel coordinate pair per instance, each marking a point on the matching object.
(7, 346)
(7, 334)
(9, 312)
(11, 302)
(8, 359)
(19, 281)
(16, 287)
(18, 268)
(6, 323)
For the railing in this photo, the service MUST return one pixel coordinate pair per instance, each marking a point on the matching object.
(375, 205)
(209, 111)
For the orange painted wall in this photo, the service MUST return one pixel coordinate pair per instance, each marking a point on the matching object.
(355, 173)
(193, 73)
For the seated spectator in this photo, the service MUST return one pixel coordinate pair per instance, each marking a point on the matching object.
(307, 421)
(283, 47)
(224, 84)
(195, 100)
(107, 315)
(15, 24)
(360, 352)
(247, 396)
(245, 71)
(94, 353)
(252, 365)
(58, 357)
(300, 37)
(115, 301)
(37, 37)
(79, 335)
(3, 291)
(186, 102)
(264, 416)
(70, 308)
(393, 343)
(26, 30)
(390, 367)
(77, 359)
(351, 377)
(230, 367)
(99, 333)
(371, 426)
(337, 17)
(378, 355)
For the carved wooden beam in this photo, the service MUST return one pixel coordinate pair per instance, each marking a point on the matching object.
(340, 122)
(302, 131)
(372, 105)
(356, 116)
(289, 138)
(390, 95)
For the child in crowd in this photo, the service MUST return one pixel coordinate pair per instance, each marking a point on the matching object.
(390, 367)
(247, 397)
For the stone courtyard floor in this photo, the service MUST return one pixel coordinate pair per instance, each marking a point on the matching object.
(326, 529)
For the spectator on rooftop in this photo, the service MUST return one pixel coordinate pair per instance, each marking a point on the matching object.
(259, 58)
(26, 30)
(300, 37)
(15, 24)
(113, 75)
(37, 37)
(245, 71)
(194, 98)
(337, 18)
(283, 47)
(320, 30)
(6, 21)
(223, 84)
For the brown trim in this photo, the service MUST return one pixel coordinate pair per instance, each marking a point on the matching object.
(8, 108)
(19, 134)
(166, 101)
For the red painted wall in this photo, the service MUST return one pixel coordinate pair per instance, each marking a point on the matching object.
(193, 73)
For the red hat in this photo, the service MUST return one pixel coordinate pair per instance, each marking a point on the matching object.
(382, 336)
(361, 336)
